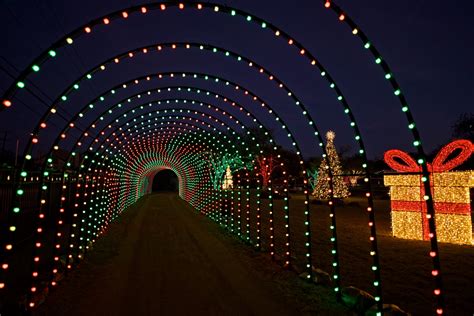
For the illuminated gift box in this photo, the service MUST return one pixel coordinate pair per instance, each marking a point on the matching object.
(450, 192)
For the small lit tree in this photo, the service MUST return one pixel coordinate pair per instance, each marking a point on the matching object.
(322, 188)
(228, 182)
(218, 165)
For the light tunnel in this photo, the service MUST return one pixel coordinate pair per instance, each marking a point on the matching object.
(116, 147)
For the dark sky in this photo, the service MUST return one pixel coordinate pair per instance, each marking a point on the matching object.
(428, 44)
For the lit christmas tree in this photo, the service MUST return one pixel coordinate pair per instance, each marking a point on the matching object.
(228, 182)
(321, 190)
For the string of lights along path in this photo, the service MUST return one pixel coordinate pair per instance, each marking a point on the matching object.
(222, 152)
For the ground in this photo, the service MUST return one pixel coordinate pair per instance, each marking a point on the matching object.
(162, 258)
(405, 264)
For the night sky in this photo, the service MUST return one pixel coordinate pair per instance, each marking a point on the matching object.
(428, 44)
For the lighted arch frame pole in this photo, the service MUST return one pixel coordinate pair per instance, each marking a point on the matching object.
(422, 160)
(333, 226)
(176, 111)
(145, 161)
(248, 114)
(317, 133)
(154, 150)
(138, 174)
(210, 186)
(320, 142)
(227, 53)
(180, 126)
(92, 235)
(249, 18)
(211, 48)
(58, 139)
(198, 126)
(151, 122)
(332, 85)
(141, 93)
(165, 115)
(145, 8)
(100, 133)
(151, 152)
(153, 126)
(150, 173)
(192, 102)
(184, 89)
(63, 133)
(192, 89)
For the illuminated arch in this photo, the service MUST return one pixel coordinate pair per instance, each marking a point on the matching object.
(374, 252)
(192, 111)
(79, 255)
(106, 20)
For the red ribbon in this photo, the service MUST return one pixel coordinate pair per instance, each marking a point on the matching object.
(440, 163)
(441, 207)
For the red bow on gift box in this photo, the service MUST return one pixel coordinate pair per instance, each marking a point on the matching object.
(439, 163)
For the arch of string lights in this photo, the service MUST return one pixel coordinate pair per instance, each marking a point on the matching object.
(115, 169)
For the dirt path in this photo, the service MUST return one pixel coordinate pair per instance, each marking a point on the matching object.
(161, 258)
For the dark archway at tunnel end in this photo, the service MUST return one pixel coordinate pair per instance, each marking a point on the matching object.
(165, 181)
